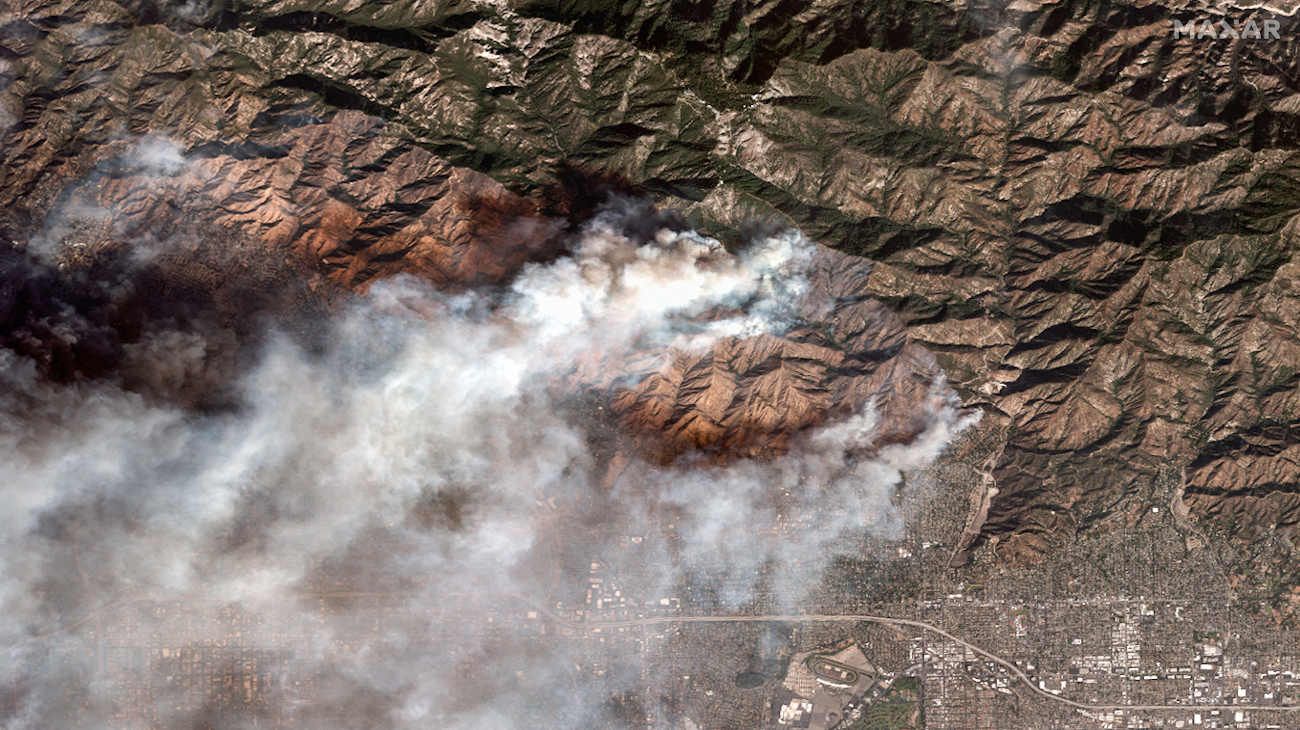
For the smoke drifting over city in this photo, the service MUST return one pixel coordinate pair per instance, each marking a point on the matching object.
(442, 465)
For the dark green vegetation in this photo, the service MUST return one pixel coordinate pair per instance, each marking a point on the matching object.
(897, 709)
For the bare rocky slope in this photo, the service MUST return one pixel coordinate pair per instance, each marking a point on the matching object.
(1089, 225)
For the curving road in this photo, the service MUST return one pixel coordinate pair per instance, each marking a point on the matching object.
(855, 618)
(1010, 666)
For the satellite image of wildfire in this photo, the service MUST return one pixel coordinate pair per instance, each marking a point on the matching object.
(649, 364)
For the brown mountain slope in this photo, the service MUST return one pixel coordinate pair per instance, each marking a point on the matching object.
(1091, 223)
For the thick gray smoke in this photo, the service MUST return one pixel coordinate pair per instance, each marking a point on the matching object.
(384, 532)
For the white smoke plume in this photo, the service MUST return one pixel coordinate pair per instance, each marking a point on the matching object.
(379, 516)
(154, 155)
(145, 158)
